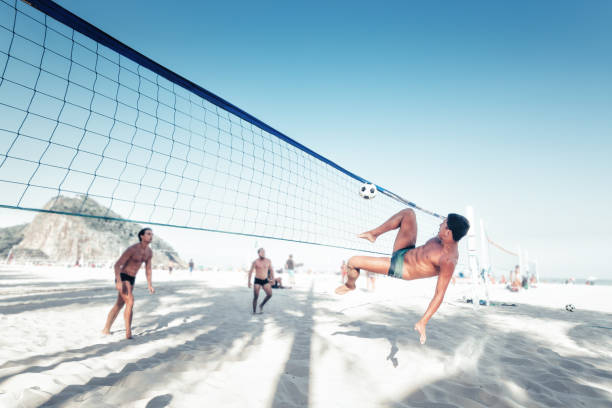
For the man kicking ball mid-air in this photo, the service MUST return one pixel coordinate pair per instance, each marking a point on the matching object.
(437, 257)
(126, 269)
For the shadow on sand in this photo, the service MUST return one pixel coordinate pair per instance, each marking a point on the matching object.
(562, 380)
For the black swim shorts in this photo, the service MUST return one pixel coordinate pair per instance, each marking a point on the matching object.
(261, 281)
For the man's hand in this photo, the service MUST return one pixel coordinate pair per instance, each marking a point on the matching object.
(151, 289)
(119, 285)
(250, 285)
(420, 327)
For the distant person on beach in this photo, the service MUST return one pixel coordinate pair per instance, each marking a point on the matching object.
(277, 282)
(517, 274)
(525, 282)
(191, 264)
(515, 279)
(343, 272)
(371, 281)
(263, 269)
(290, 266)
(126, 269)
(438, 257)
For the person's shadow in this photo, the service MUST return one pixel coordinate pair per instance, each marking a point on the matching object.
(374, 331)
(392, 354)
(160, 401)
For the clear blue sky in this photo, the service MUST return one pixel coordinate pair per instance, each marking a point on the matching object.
(506, 106)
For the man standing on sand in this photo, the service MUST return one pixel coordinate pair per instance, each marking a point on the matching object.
(438, 257)
(262, 266)
(126, 269)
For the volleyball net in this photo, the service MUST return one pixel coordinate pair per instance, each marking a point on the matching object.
(502, 260)
(83, 115)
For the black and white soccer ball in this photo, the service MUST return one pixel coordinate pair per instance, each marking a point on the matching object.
(570, 307)
(367, 191)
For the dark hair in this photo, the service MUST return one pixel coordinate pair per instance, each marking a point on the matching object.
(458, 224)
(142, 232)
(259, 250)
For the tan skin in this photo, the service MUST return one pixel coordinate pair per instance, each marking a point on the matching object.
(129, 263)
(437, 257)
(262, 266)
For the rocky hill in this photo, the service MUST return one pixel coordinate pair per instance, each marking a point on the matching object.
(9, 237)
(69, 239)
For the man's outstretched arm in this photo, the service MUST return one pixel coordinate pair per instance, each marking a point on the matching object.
(446, 273)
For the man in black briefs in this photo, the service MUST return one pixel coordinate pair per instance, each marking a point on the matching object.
(126, 269)
(262, 266)
(438, 256)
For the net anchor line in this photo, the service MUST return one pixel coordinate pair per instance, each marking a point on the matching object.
(498, 246)
(136, 221)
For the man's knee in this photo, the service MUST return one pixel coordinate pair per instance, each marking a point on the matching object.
(352, 261)
(408, 212)
(352, 269)
(129, 301)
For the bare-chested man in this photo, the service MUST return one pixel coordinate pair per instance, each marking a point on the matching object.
(262, 266)
(126, 269)
(437, 257)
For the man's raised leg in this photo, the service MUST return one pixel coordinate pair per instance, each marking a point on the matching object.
(112, 315)
(405, 220)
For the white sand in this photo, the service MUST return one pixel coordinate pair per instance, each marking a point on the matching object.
(198, 345)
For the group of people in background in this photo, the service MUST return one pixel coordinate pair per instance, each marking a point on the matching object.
(517, 281)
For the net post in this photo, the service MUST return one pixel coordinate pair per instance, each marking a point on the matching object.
(472, 256)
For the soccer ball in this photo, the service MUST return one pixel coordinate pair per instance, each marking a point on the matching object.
(570, 307)
(367, 191)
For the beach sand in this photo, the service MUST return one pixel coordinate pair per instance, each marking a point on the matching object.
(197, 344)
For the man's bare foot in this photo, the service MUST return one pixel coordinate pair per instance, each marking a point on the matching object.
(420, 327)
(341, 290)
(106, 332)
(260, 309)
(367, 235)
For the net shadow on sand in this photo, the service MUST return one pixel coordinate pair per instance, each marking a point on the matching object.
(477, 352)
(209, 347)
